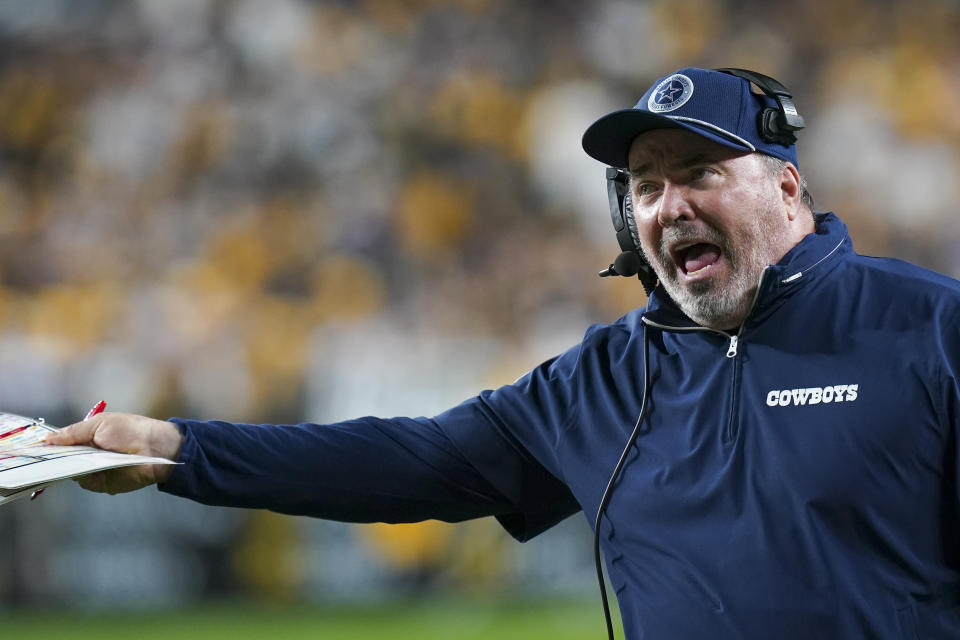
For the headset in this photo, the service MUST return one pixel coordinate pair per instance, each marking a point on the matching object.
(777, 125)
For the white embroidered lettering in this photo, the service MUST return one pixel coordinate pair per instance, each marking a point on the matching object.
(800, 396)
(830, 394)
(838, 390)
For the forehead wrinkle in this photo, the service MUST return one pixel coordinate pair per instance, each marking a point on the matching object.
(672, 163)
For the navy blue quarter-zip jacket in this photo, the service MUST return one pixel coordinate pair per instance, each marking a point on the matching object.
(795, 479)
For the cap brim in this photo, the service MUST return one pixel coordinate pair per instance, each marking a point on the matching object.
(609, 138)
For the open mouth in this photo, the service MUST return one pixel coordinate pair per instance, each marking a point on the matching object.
(695, 258)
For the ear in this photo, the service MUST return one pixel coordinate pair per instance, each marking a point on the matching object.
(790, 190)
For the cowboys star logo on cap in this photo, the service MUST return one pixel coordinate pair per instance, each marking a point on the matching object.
(670, 94)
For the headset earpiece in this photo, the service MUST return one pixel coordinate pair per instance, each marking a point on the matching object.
(631, 222)
(621, 209)
(631, 260)
(775, 125)
(769, 125)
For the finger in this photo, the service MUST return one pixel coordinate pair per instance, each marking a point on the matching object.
(93, 482)
(113, 481)
(77, 433)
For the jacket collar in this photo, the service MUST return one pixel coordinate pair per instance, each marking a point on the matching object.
(810, 259)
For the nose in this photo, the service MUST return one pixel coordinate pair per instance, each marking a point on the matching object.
(674, 204)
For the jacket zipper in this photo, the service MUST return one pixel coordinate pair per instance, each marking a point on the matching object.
(733, 350)
(733, 423)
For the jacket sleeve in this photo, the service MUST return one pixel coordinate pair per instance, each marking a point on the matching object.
(367, 470)
(491, 455)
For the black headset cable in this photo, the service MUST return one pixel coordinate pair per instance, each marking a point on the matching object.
(608, 492)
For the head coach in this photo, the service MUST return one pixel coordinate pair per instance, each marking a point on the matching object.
(767, 449)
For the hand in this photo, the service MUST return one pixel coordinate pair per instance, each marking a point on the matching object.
(126, 433)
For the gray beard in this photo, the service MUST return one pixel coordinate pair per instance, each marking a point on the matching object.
(712, 303)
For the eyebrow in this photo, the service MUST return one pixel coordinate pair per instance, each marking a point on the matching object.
(682, 163)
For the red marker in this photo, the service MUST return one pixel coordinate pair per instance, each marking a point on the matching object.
(97, 408)
(12, 432)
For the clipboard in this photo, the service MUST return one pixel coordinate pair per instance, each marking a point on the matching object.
(28, 465)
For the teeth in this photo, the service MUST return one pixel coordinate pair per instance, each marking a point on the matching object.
(700, 270)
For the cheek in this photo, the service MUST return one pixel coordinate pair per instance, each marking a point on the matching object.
(734, 209)
(648, 230)
(748, 198)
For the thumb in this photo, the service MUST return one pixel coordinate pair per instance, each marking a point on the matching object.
(77, 433)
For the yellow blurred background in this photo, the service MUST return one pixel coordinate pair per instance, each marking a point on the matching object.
(287, 211)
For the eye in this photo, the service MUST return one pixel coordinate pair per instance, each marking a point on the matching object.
(699, 173)
(645, 189)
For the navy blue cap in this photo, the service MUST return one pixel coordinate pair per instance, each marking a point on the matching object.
(713, 104)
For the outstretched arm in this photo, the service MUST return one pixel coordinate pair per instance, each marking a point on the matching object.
(369, 469)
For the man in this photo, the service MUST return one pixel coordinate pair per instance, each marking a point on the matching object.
(794, 473)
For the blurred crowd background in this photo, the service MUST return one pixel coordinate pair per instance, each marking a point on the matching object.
(288, 211)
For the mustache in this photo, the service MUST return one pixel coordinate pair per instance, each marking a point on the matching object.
(678, 233)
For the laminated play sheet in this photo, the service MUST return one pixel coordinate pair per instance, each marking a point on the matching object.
(27, 465)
